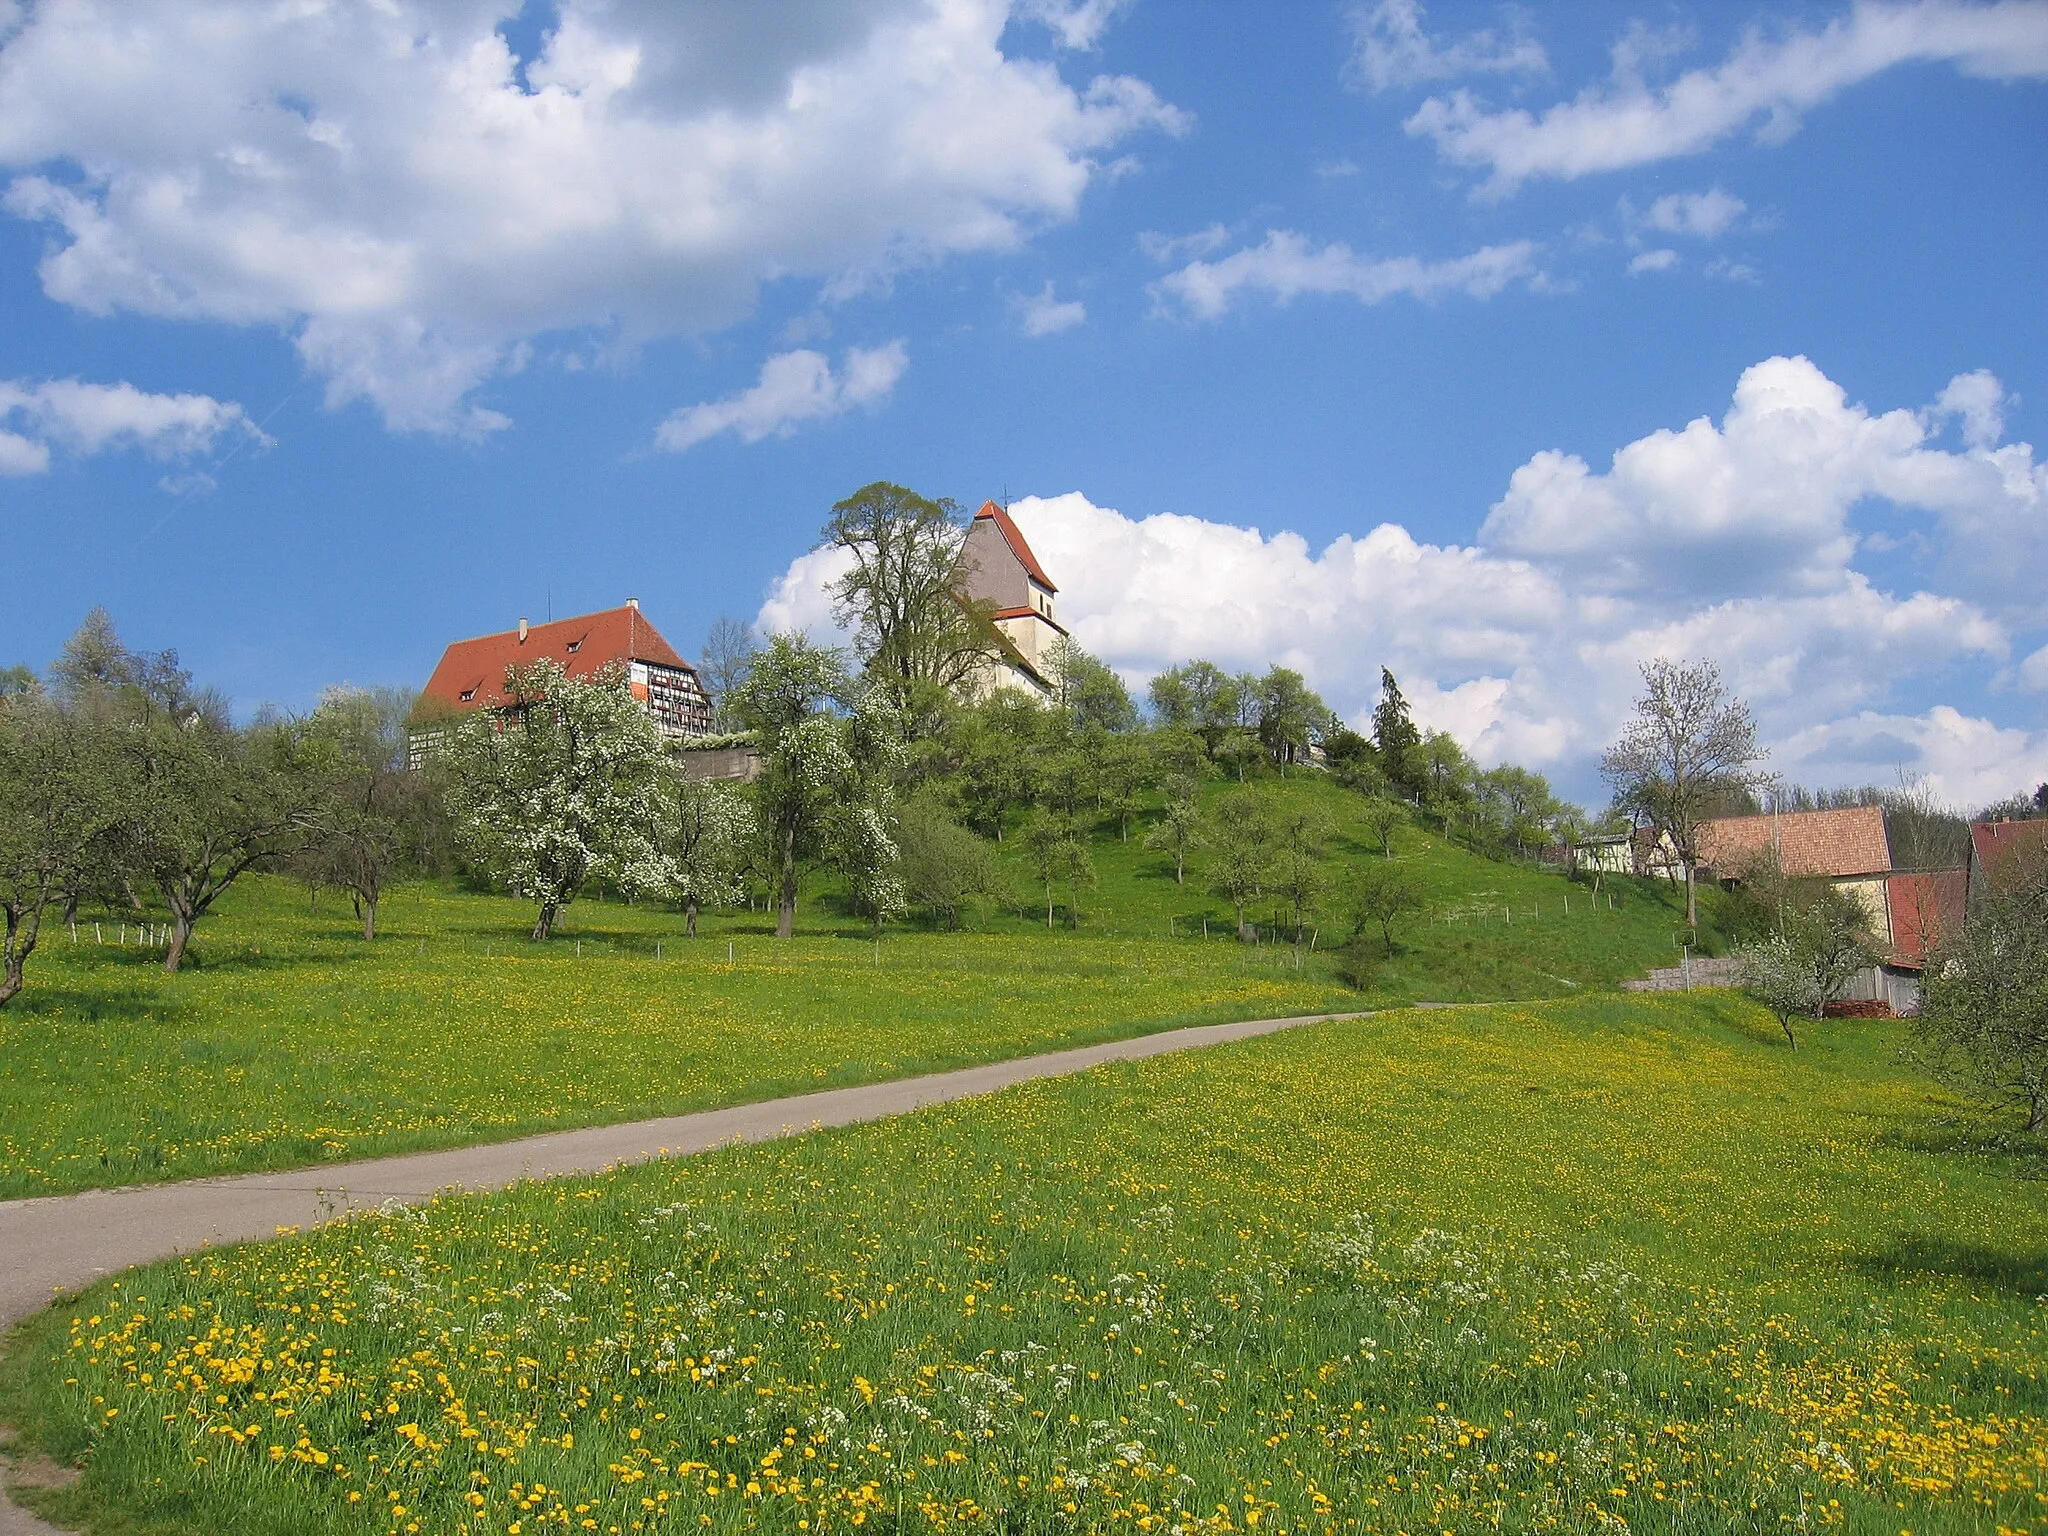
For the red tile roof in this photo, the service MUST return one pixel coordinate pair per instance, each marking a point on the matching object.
(1014, 537)
(1997, 841)
(1925, 909)
(472, 672)
(1829, 844)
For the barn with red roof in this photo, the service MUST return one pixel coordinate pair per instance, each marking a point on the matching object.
(472, 673)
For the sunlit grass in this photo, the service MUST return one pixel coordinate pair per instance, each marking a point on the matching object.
(1596, 1265)
(291, 1042)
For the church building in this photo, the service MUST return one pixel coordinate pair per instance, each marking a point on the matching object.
(1001, 569)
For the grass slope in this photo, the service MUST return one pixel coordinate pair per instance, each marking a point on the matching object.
(1596, 1265)
(291, 1042)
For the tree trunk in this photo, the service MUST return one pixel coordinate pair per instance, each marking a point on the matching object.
(181, 935)
(1692, 896)
(690, 917)
(1244, 933)
(19, 947)
(1180, 863)
(369, 905)
(1048, 906)
(785, 917)
(544, 925)
(1785, 1023)
(2037, 1107)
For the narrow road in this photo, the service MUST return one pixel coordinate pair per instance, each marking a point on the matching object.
(61, 1243)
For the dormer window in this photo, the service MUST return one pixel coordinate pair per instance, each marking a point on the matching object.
(575, 646)
(468, 695)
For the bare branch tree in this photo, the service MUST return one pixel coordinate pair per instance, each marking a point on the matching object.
(1688, 749)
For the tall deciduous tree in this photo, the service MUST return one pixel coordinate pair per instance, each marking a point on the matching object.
(905, 594)
(1291, 716)
(1198, 696)
(1383, 896)
(57, 798)
(1689, 747)
(701, 830)
(1302, 837)
(1241, 838)
(728, 651)
(1984, 1004)
(368, 794)
(1179, 829)
(1088, 692)
(1058, 852)
(560, 786)
(827, 756)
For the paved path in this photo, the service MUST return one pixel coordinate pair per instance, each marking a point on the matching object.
(64, 1242)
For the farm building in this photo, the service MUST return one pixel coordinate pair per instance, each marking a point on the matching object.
(1002, 570)
(1848, 848)
(1997, 846)
(472, 673)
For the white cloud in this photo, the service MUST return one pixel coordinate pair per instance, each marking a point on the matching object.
(22, 456)
(1164, 248)
(1733, 542)
(390, 186)
(83, 419)
(800, 601)
(1762, 503)
(1662, 260)
(1076, 24)
(1707, 215)
(1763, 85)
(1284, 266)
(794, 387)
(1040, 314)
(1967, 762)
(1978, 401)
(1391, 48)
(2033, 672)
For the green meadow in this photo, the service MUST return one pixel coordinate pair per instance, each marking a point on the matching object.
(1592, 1265)
(290, 1042)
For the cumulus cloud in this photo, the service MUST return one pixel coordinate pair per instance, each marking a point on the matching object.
(83, 419)
(1077, 24)
(1040, 314)
(1284, 266)
(1732, 541)
(794, 388)
(1707, 215)
(1390, 48)
(1661, 260)
(1762, 502)
(1764, 84)
(412, 202)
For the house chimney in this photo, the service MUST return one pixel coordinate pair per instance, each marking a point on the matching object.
(522, 631)
(633, 603)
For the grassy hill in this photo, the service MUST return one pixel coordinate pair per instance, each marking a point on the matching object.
(292, 1042)
(1600, 1264)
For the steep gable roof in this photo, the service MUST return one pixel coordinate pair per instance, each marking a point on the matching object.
(1924, 910)
(1995, 842)
(472, 672)
(1827, 844)
(1014, 537)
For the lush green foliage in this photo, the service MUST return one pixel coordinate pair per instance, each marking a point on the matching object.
(294, 1042)
(1985, 1016)
(1569, 1267)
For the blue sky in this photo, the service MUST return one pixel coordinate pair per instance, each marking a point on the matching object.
(334, 338)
